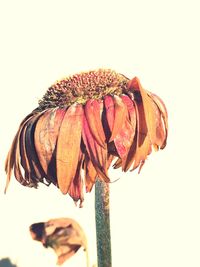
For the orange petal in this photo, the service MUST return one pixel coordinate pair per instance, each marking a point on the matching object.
(45, 137)
(68, 146)
(93, 110)
(97, 154)
(150, 116)
(120, 115)
(164, 115)
(90, 173)
(76, 187)
(117, 164)
(141, 145)
(160, 131)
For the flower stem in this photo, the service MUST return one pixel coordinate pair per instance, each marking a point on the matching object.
(102, 209)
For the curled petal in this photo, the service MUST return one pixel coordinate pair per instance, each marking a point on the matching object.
(149, 114)
(68, 146)
(37, 174)
(90, 173)
(41, 137)
(93, 110)
(13, 158)
(163, 121)
(76, 187)
(45, 139)
(141, 145)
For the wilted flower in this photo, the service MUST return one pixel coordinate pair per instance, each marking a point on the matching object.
(84, 122)
(63, 235)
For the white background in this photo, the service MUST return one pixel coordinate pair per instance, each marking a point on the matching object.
(154, 215)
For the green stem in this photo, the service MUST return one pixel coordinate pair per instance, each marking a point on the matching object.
(102, 209)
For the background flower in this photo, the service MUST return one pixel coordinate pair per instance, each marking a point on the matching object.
(63, 235)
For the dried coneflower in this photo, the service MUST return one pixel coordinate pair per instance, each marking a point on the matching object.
(82, 126)
(64, 235)
(87, 122)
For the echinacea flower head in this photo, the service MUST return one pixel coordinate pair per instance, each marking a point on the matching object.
(84, 124)
(64, 235)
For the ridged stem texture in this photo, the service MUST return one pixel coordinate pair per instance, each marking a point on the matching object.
(102, 209)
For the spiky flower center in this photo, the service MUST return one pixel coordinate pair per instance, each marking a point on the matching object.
(81, 87)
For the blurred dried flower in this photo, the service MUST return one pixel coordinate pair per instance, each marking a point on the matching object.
(63, 235)
(84, 122)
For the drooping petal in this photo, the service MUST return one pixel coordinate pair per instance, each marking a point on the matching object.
(141, 145)
(124, 138)
(146, 102)
(76, 187)
(41, 140)
(164, 122)
(131, 110)
(68, 146)
(119, 118)
(97, 154)
(45, 139)
(90, 173)
(36, 172)
(23, 156)
(13, 154)
(110, 111)
(93, 110)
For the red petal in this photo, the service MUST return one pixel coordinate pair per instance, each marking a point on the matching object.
(68, 146)
(124, 139)
(131, 110)
(120, 115)
(110, 111)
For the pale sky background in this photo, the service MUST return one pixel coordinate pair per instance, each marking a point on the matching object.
(155, 216)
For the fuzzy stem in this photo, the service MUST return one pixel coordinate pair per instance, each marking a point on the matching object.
(102, 209)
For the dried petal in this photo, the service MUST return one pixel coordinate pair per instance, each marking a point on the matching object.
(141, 145)
(120, 115)
(90, 173)
(76, 187)
(110, 111)
(97, 153)
(149, 114)
(68, 146)
(164, 115)
(93, 110)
